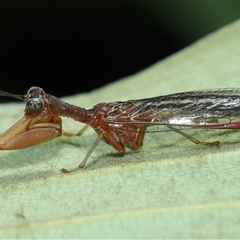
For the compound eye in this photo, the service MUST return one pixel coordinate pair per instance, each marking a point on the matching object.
(34, 105)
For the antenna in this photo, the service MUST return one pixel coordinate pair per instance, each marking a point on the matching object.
(6, 94)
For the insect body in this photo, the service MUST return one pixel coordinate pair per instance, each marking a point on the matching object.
(123, 124)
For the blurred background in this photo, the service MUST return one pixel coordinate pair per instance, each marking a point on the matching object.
(68, 47)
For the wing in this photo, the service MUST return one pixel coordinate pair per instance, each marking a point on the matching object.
(196, 108)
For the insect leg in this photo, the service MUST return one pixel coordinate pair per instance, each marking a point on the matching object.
(82, 164)
(75, 134)
(140, 137)
(194, 140)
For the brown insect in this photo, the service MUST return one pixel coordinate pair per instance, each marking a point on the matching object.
(122, 124)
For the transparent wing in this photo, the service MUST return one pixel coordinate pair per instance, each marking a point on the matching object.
(190, 109)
